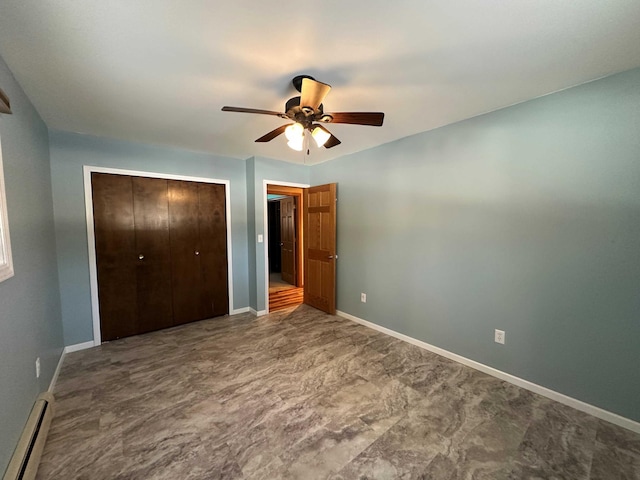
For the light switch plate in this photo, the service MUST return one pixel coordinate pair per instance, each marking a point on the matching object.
(260, 238)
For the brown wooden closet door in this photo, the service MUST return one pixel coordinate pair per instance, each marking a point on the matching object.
(116, 258)
(161, 248)
(288, 240)
(189, 299)
(213, 245)
(151, 215)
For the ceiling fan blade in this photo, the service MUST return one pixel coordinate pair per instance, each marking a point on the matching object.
(313, 92)
(251, 110)
(273, 133)
(374, 119)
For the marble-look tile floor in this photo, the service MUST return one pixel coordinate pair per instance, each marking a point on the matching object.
(301, 394)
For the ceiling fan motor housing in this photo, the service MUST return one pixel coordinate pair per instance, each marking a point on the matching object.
(297, 81)
(305, 115)
(291, 104)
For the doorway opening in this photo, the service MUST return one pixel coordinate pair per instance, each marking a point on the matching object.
(314, 242)
(284, 246)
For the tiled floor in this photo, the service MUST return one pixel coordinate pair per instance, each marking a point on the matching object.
(300, 394)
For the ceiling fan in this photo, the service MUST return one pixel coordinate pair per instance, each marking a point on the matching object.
(307, 114)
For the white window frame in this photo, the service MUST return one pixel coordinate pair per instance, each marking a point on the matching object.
(6, 260)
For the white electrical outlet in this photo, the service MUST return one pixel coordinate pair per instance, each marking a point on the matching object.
(499, 336)
(38, 367)
(363, 297)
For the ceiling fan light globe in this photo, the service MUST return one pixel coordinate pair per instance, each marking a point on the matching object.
(296, 144)
(294, 132)
(320, 135)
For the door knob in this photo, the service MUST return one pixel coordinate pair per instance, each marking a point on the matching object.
(197, 252)
(330, 257)
(141, 257)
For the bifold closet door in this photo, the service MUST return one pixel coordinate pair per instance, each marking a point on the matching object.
(197, 219)
(212, 221)
(131, 221)
(161, 251)
(153, 268)
(189, 299)
(116, 258)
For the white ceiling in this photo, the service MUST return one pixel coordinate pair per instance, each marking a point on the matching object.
(158, 71)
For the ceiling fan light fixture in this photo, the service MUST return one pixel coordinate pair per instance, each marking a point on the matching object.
(320, 135)
(294, 133)
(296, 144)
(307, 113)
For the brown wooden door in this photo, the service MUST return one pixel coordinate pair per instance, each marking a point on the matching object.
(320, 247)
(212, 221)
(153, 271)
(116, 258)
(161, 250)
(288, 240)
(189, 301)
(132, 254)
(198, 250)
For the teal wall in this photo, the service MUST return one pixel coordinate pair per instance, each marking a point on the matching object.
(276, 171)
(527, 220)
(69, 152)
(30, 323)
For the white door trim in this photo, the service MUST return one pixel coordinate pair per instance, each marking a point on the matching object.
(88, 204)
(265, 229)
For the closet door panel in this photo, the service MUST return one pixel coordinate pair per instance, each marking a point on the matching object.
(189, 299)
(213, 241)
(115, 254)
(151, 215)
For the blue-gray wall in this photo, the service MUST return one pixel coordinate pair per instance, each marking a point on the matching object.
(69, 152)
(527, 220)
(30, 324)
(251, 231)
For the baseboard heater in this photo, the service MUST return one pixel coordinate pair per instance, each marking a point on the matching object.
(26, 458)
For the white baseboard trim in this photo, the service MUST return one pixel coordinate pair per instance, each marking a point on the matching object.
(54, 379)
(507, 377)
(240, 310)
(258, 313)
(79, 346)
